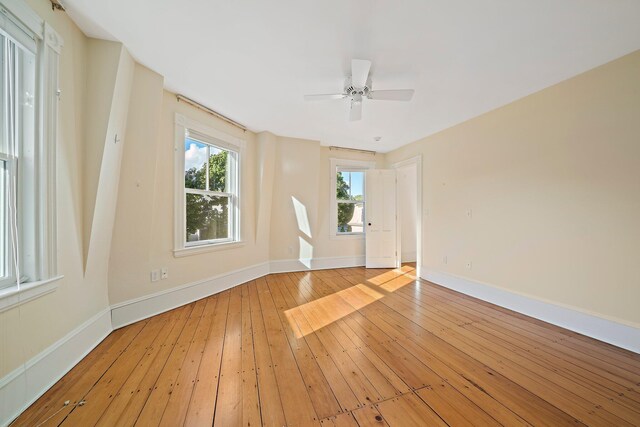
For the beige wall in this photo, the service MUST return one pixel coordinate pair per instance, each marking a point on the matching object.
(143, 235)
(302, 178)
(553, 182)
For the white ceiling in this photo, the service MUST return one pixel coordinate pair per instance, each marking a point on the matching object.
(254, 60)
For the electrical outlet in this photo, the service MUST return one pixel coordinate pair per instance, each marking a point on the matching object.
(444, 259)
(155, 275)
(468, 265)
(164, 273)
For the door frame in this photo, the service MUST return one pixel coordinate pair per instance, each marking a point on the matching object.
(416, 160)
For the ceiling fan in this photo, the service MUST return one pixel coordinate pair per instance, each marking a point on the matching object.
(358, 87)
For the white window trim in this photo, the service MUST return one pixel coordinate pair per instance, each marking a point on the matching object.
(49, 47)
(238, 145)
(12, 296)
(333, 217)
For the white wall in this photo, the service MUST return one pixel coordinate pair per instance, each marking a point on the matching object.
(407, 194)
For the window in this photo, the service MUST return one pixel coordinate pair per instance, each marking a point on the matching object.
(209, 186)
(29, 51)
(348, 197)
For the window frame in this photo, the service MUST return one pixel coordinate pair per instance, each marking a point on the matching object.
(345, 165)
(187, 128)
(6, 222)
(30, 32)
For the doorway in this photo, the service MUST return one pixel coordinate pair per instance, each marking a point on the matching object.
(409, 208)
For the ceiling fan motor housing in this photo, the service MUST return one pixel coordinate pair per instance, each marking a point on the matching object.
(357, 93)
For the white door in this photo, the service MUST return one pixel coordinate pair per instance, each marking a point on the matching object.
(380, 219)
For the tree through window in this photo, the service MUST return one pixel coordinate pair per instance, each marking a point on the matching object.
(350, 201)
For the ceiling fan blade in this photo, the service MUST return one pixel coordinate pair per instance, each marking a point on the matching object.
(360, 72)
(392, 95)
(324, 97)
(355, 113)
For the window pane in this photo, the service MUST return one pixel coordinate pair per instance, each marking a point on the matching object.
(357, 185)
(343, 190)
(207, 217)
(195, 164)
(218, 167)
(350, 186)
(350, 217)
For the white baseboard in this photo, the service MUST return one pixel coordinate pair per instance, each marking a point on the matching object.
(131, 311)
(290, 265)
(24, 385)
(609, 331)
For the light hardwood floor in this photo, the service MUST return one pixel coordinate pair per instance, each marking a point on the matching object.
(344, 347)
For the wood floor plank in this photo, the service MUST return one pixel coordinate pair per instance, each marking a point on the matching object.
(229, 402)
(270, 400)
(341, 420)
(250, 393)
(203, 399)
(453, 407)
(157, 401)
(103, 391)
(322, 397)
(176, 409)
(341, 389)
(344, 347)
(79, 389)
(408, 410)
(56, 395)
(296, 403)
(369, 416)
(128, 403)
(490, 355)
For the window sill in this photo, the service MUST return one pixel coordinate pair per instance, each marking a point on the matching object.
(12, 296)
(194, 250)
(347, 236)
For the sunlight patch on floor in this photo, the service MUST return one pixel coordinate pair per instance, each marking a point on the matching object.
(315, 315)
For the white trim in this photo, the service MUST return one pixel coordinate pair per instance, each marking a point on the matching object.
(421, 217)
(48, 141)
(13, 296)
(131, 311)
(212, 247)
(335, 163)
(290, 265)
(188, 123)
(24, 385)
(572, 318)
(53, 39)
(25, 15)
